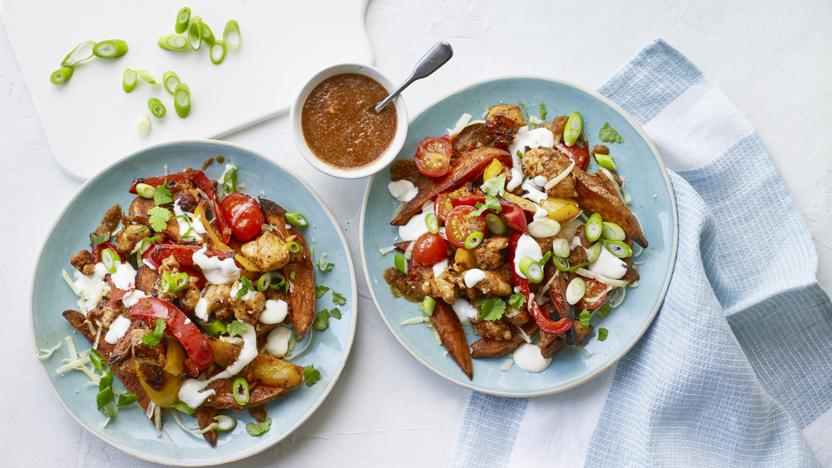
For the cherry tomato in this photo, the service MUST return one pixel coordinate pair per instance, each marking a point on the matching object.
(433, 158)
(430, 248)
(243, 214)
(459, 225)
(580, 154)
(443, 206)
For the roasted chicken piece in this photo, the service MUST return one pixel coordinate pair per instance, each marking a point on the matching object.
(268, 251)
(471, 137)
(502, 123)
(443, 286)
(83, 262)
(109, 222)
(549, 163)
(137, 212)
(218, 300)
(489, 255)
(492, 329)
(131, 235)
(105, 312)
(495, 283)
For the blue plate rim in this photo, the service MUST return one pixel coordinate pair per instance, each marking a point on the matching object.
(222, 459)
(656, 306)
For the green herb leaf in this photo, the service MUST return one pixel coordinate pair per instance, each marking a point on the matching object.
(491, 203)
(324, 265)
(321, 322)
(236, 328)
(516, 301)
(98, 361)
(335, 312)
(495, 186)
(97, 240)
(320, 290)
(258, 429)
(155, 337)
(585, 317)
(162, 196)
(145, 244)
(603, 311)
(245, 286)
(159, 218)
(311, 375)
(492, 308)
(338, 298)
(607, 134)
(228, 180)
(543, 112)
(519, 154)
(602, 334)
(525, 111)
(127, 399)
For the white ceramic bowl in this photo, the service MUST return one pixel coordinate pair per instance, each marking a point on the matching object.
(379, 163)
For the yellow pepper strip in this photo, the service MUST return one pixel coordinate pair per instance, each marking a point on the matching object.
(216, 243)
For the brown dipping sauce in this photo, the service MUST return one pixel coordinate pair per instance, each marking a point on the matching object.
(340, 125)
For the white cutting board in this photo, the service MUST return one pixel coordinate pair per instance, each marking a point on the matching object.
(90, 122)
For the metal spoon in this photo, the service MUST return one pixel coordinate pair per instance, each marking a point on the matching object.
(440, 53)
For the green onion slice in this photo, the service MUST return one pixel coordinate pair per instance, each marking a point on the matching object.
(223, 423)
(129, 80)
(113, 48)
(264, 282)
(593, 252)
(606, 161)
(618, 248)
(296, 219)
(215, 327)
(531, 269)
(240, 390)
(145, 190)
(173, 42)
(81, 53)
(170, 80)
(474, 240)
(594, 227)
(147, 77)
(195, 33)
(229, 180)
(561, 263)
(156, 107)
(231, 35)
(207, 34)
(183, 19)
(572, 129)
(613, 231)
(111, 259)
(495, 224)
(183, 408)
(428, 304)
(143, 124)
(575, 290)
(400, 263)
(182, 100)
(61, 75)
(432, 223)
(294, 247)
(560, 247)
(217, 52)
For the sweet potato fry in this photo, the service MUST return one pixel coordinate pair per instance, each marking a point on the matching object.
(490, 348)
(597, 194)
(204, 418)
(223, 397)
(450, 331)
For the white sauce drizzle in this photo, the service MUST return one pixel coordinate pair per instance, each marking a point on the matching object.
(402, 190)
(91, 289)
(473, 276)
(125, 277)
(416, 226)
(216, 271)
(249, 295)
(277, 344)
(117, 329)
(275, 312)
(465, 311)
(190, 226)
(132, 297)
(528, 358)
(538, 138)
(608, 265)
(201, 309)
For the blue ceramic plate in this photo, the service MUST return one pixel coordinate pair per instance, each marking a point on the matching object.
(653, 202)
(130, 431)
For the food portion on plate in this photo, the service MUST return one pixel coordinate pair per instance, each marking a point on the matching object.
(197, 298)
(503, 227)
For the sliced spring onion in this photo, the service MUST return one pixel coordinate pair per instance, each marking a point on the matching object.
(207, 34)
(195, 33)
(156, 107)
(572, 129)
(61, 75)
(129, 80)
(561, 263)
(594, 227)
(173, 283)
(560, 247)
(143, 124)
(182, 100)
(215, 327)
(428, 304)
(575, 290)
(616, 297)
(81, 53)
(474, 240)
(173, 42)
(593, 252)
(618, 248)
(147, 77)
(606, 161)
(145, 190)
(170, 80)
(495, 224)
(531, 269)
(183, 408)
(264, 282)
(432, 223)
(223, 423)
(613, 231)
(217, 52)
(110, 259)
(113, 48)
(544, 227)
(296, 219)
(400, 263)
(240, 390)
(294, 247)
(183, 19)
(231, 35)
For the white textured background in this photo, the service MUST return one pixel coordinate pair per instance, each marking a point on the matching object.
(772, 58)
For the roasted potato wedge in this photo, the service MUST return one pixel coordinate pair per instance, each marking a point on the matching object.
(259, 394)
(490, 348)
(447, 324)
(597, 194)
(204, 418)
(265, 368)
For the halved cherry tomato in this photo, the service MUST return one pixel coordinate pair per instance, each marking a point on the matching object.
(430, 248)
(513, 215)
(433, 157)
(243, 214)
(443, 206)
(578, 153)
(459, 225)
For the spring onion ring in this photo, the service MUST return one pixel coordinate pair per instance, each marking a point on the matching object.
(264, 282)
(110, 259)
(575, 290)
(432, 223)
(428, 305)
(400, 262)
(129, 80)
(531, 269)
(296, 219)
(173, 42)
(183, 19)
(495, 224)
(113, 48)
(594, 227)
(474, 240)
(616, 297)
(544, 227)
(147, 77)
(81, 53)
(195, 33)
(572, 129)
(182, 100)
(593, 252)
(561, 263)
(231, 35)
(170, 80)
(293, 247)
(61, 75)
(613, 231)
(145, 190)
(618, 248)
(560, 247)
(217, 52)
(156, 107)
(240, 390)
(606, 161)
(207, 34)
(223, 424)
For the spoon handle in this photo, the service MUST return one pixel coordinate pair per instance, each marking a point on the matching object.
(440, 53)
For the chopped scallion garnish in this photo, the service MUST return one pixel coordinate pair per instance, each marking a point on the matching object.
(61, 75)
(240, 390)
(183, 19)
(129, 80)
(113, 48)
(296, 219)
(81, 53)
(182, 100)
(156, 107)
(231, 35)
(217, 52)
(400, 262)
(170, 80)
(173, 42)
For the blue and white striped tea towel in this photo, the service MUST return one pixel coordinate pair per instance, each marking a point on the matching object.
(736, 370)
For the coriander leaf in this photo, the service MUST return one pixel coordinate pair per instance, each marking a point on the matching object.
(162, 196)
(604, 311)
(543, 112)
(516, 301)
(154, 337)
(335, 312)
(311, 375)
(607, 134)
(145, 244)
(338, 299)
(492, 308)
(236, 328)
(585, 317)
(324, 265)
(320, 290)
(321, 322)
(525, 111)
(519, 154)
(245, 287)
(602, 334)
(491, 203)
(159, 218)
(98, 239)
(495, 186)
(127, 399)
(258, 429)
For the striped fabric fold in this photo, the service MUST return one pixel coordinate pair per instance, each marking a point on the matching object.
(738, 361)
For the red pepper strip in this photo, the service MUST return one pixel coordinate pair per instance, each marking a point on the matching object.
(203, 183)
(556, 327)
(513, 215)
(196, 346)
(183, 254)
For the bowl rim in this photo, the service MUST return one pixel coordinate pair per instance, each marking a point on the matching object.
(655, 308)
(221, 459)
(386, 157)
